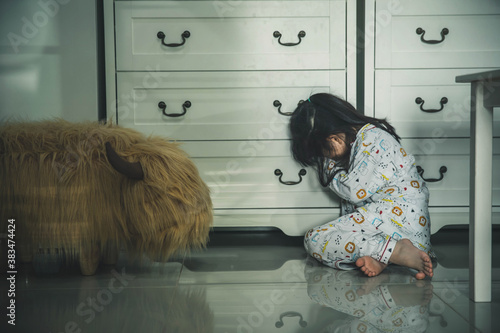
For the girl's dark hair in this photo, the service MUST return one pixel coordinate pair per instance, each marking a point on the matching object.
(322, 115)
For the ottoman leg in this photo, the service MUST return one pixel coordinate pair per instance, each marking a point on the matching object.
(89, 259)
(25, 253)
(110, 253)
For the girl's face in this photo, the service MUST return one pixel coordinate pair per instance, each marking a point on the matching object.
(338, 146)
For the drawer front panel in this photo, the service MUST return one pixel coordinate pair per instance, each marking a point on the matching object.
(224, 106)
(243, 39)
(293, 222)
(441, 7)
(296, 222)
(472, 41)
(443, 216)
(242, 175)
(453, 189)
(396, 94)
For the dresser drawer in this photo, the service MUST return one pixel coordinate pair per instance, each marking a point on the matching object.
(293, 222)
(242, 174)
(241, 37)
(396, 94)
(469, 41)
(433, 7)
(443, 216)
(223, 105)
(453, 154)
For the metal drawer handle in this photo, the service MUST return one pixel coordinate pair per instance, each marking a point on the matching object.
(278, 172)
(421, 32)
(420, 101)
(442, 171)
(280, 322)
(186, 34)
(278, 35)
(277, 104)
(185, 106)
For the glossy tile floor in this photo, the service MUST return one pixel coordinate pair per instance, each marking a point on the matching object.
(259, 281)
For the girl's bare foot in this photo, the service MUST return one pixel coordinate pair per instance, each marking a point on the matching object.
(405, 254)
(370, 266)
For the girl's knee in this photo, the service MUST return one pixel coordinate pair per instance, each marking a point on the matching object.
(307, 240)
(309, 233)
(312, 239)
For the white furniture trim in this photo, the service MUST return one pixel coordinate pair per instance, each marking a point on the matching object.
(485, 95)
(110, 60)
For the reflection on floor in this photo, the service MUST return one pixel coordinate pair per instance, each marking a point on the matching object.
(259, 281)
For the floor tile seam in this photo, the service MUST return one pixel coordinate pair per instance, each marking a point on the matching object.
(181, 270)
(200, 284)
(362, 284)
(300, 282)
(461, 283)
(55, 289)
(97, 288)
(457, 312)
(177, 282)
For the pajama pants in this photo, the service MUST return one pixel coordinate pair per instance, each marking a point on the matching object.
(375, 311)
(362, 233)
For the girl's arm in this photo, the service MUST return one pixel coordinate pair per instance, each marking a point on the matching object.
(373, 167)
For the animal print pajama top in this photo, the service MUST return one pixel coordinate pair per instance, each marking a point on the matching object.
(384, 199)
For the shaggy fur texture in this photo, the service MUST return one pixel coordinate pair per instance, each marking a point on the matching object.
(56, 181)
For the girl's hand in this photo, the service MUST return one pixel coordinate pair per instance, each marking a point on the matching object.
(338, 146)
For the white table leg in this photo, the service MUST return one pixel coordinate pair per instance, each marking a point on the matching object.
(480, 237)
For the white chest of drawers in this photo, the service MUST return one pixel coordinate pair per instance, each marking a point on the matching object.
(243, 38)
(414, 51)
(221, 77)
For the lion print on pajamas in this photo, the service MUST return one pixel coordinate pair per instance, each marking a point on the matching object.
(384, 199)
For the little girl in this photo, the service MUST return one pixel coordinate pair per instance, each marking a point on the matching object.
(384, 200)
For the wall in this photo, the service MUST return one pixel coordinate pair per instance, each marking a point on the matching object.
(49, 60)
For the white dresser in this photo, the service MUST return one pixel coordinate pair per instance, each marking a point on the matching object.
(222, 77)
(414, 50)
